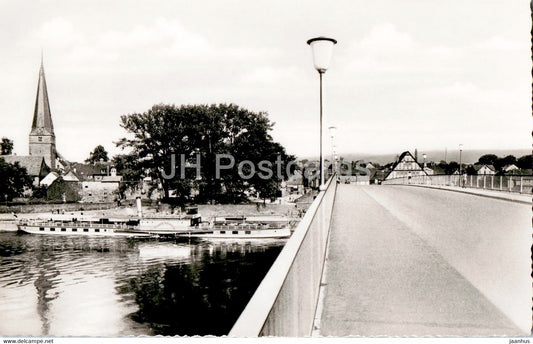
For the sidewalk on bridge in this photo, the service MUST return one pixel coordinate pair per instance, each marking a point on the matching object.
(382, 279)
(503, 195)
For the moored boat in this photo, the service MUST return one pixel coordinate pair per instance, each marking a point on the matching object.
(140, 226)
(240, 231)
(171, 226)
(73, 226)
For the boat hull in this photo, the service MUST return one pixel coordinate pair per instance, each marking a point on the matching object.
(81, 231)
(278, 233)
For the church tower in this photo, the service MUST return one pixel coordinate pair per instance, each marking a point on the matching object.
(42, 137)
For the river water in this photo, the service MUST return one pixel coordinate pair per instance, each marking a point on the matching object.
(86, 286)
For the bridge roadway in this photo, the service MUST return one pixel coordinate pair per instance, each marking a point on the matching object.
(408, 261)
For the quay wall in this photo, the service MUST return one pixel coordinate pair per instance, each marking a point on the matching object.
(285, 302)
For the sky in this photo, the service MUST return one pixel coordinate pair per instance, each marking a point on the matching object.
(409, 74)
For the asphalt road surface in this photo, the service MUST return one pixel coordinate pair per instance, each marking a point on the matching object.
(406, 261)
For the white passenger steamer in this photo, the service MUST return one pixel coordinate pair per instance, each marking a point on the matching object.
(188, 225)
(93, 227)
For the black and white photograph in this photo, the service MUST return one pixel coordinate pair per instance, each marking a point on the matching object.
(346, 171)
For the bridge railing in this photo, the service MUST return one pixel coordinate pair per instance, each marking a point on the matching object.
(285, 302)
(509, 183)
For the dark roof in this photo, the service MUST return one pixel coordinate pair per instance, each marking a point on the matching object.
(86, 170)
(33, 164)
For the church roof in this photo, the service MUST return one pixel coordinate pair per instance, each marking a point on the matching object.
(42, 118)
(33, 164)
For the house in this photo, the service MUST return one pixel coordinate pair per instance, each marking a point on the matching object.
(520, 172)
(355, 179)
(93, 172)
(70, 176)
(35, 166)
(429, 171)
(311, 174)
(64, 190)
(405, 166)
(49, 179)
(377, 176)
(295, 183)
(98, 182)
(485, 169)
(105, 190)
(510, 168)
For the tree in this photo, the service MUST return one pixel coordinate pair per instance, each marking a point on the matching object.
(471, 171)
(129, 168)
(14, 179)
(525, 162)
(487, 159)
(500, 163)
(166, 137)
(98, 154)
(6, 146)
(39, 192)
(451, 167)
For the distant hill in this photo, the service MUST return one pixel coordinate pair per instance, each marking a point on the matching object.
(468, 156)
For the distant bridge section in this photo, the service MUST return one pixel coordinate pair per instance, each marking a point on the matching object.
(508, 183)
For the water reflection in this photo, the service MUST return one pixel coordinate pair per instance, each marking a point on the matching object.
(115, 286)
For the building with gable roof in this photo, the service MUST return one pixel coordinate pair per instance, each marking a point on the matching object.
(35, 166)
(485, 169)
(405, 166)
(49, 179)
(510, 168)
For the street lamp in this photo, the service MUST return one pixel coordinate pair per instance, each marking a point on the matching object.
(424, 155)
(332, 131)
(322, 48)
(460, 163)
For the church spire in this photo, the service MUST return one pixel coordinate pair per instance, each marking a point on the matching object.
(42, 137)
(42, 118)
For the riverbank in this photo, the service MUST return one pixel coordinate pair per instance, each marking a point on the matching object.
(49, 207)
(208, 211)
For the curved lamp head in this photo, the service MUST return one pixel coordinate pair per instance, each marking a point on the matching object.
(322, 48)
(460, 146)
(332, 131)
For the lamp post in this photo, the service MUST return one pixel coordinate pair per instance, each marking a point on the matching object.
(335, 159)
(321, 47)
(425, 175)
(332, 131)
(460, 164)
